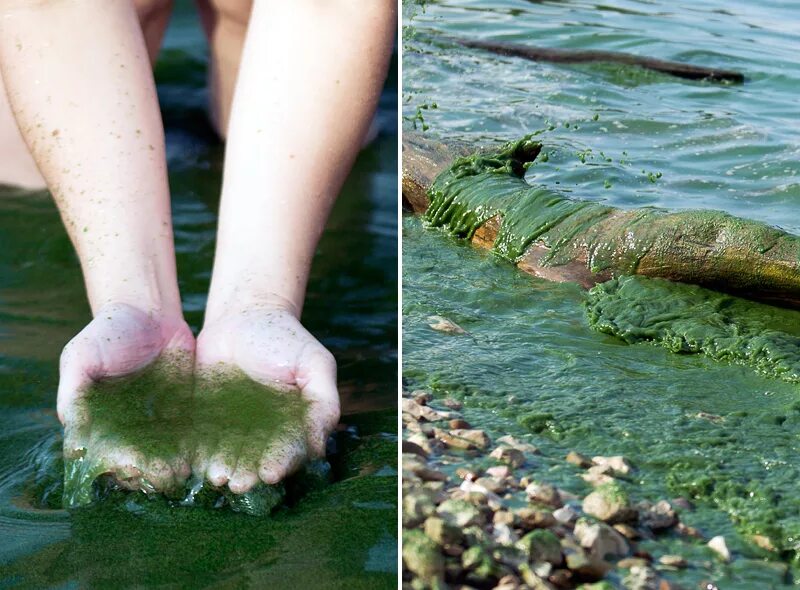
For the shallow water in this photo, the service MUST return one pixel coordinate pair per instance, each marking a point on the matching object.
(341, 536)
(530, 363)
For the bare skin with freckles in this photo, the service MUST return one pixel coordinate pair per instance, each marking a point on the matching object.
(294, 120)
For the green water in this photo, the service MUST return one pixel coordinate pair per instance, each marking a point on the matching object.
(531, 364)
(339, 536)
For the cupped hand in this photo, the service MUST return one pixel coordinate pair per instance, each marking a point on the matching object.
(121, 341)
(272, 348)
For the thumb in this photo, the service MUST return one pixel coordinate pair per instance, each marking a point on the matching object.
(75, 375)
(319, 389)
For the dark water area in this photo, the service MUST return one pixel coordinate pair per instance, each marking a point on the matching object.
(338, 536)
(530, 364)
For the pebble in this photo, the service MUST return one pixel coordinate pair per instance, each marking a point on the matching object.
(578, 459)
(458, 423)
(513, 457)
(720, 547)
(442, 324)
(600, 539)
(544, 493)
(514, 443)
(676, 561)
(609, 503)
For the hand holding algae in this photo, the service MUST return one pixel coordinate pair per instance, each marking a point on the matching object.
(150, 430)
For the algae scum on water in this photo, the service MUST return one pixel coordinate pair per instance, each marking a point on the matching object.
(165, 423)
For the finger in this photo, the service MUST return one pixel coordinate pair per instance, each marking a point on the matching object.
(159, 474)
(282, 460)
(242, 480)
(219, 470)
(74, 375)
(320, 390)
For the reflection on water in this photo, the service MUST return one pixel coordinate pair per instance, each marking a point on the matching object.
(338, 537)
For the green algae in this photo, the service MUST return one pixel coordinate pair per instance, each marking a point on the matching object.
(690, 319)
(698, 246)
(161, 417)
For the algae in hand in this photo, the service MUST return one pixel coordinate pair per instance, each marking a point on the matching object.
(148, 430)
(690, 319)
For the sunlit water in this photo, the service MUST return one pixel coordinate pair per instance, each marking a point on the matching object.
(531, 364)
(341, 537)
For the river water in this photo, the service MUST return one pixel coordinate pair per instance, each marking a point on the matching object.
(343, 536)
(531, 365)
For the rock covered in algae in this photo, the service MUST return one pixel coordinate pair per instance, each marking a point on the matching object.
(690, 319)
(705, 247)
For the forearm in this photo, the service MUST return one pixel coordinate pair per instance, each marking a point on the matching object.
(310, 80)
(79, 81)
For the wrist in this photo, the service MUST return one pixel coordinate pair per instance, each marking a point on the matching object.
(238, 300)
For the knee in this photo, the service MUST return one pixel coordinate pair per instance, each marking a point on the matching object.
(149, 10)
(233, 12)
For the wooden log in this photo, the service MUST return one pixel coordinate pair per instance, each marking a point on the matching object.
(580, 56)
(703, 253)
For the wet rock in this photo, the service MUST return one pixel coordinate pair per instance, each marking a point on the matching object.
(609, 503)
(565, 515)
(499, 471)
(504, 535)
(418, 505)
(541, 545)
(534, 580)
(763, 542)
(412, 447)
(442, 324)
(579, 460)
(720, 547)
(586, 567)
(453, 404)
(422, 397)
(460, 513)
(421, 556)
(464, 438)
(459, 424)
(508, 582)
(627, 531)
(642, 578)
(688, 531)
(491, 484)
(601, 585)
(442, 532)
(514, 443)
(423, 442)
(600, 539)
(597, 475)
(419, 412)
(658, 516)
(561, 578)
(544, 493)
(531, 518)
(617, 465)
(510, 456)
(631, 562)
(505, 517)
(479, 563)
(675, 561)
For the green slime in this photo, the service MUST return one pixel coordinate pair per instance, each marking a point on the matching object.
(703, 246)
(161, 415)
(691, 319)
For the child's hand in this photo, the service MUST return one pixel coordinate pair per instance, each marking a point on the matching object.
(120, 340)
(273, 348)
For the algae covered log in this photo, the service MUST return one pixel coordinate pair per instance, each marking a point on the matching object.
(484, 197)
(580, 56)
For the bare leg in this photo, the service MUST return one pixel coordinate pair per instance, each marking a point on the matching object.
(17, 165)
(225, 25)
(100, 146)
(310, 80)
